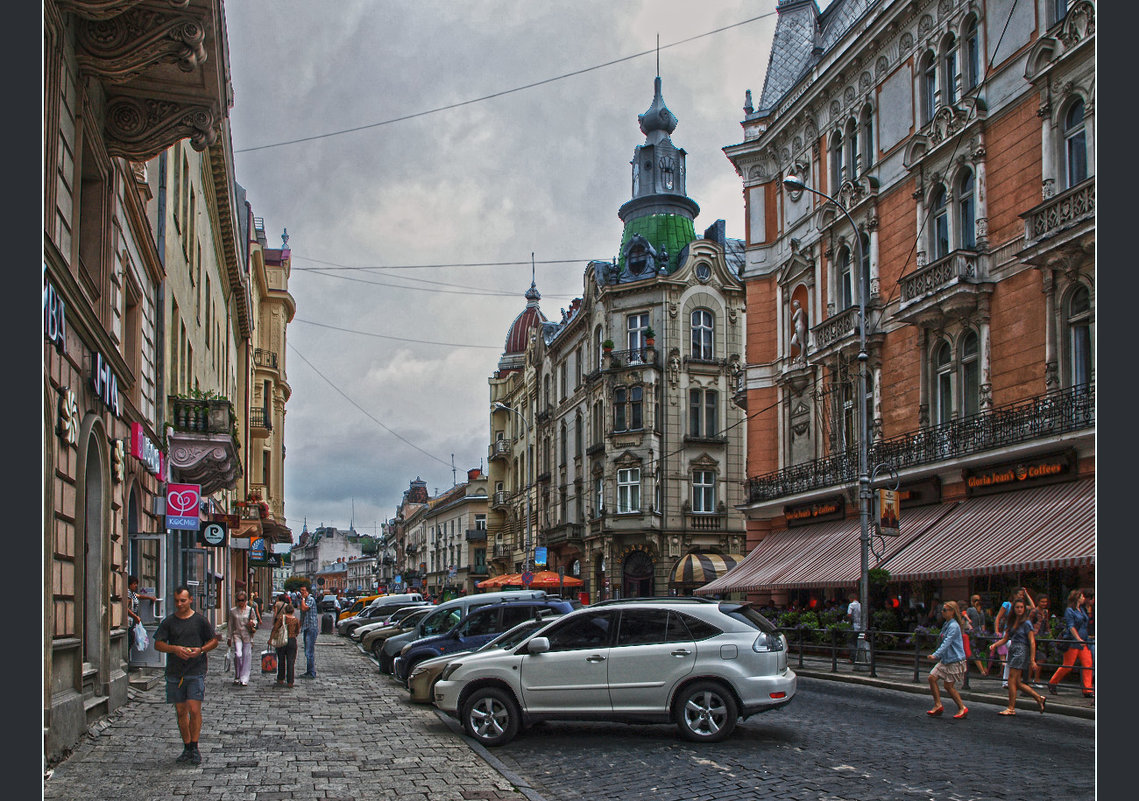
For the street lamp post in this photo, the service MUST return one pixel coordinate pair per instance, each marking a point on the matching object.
(529, 471)
(794, 183)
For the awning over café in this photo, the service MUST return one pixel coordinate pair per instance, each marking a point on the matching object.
(1018, 531)
(700, 568)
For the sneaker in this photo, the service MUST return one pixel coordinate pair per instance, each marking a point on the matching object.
(1004, 685)
(185, 755)
(195, 757)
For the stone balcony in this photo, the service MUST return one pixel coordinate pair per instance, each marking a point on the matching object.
(203, 444)
(1061, 225)
(951, 286)
(499, 449)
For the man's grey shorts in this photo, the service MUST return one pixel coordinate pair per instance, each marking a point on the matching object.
(193, 688)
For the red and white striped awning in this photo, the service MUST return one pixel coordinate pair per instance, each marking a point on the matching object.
(1030, 529)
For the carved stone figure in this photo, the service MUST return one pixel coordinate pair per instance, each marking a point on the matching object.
(799, 331)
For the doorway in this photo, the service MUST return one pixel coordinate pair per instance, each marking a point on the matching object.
(638, 575)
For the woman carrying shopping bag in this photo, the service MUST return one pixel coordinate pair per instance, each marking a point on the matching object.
(243, 622)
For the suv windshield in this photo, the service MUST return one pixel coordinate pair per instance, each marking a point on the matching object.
(440, 622)
(747, 615)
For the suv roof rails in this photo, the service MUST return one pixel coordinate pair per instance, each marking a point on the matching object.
(660, 599)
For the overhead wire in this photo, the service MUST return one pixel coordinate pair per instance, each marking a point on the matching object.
(397, 339)
(493, 95)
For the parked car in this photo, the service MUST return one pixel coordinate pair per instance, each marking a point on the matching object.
(701, 666)
(386, 620)
(378, 609)
(421, 680)
(478, 627)
(445, 617)
(356, 607)
(374, 640)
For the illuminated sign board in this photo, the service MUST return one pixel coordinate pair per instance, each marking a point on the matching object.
(1032, 472)
(802, 514)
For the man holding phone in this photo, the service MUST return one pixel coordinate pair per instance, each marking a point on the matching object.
(186, 637)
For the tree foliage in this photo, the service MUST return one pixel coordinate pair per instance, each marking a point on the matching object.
(296, 582)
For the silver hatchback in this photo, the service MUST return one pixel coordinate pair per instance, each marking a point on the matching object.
(703, 665)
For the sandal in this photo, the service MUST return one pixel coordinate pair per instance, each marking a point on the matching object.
(1007, 712)
(1042, 702)
(937, 710)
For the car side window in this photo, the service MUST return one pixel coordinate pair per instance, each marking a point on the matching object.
(485, 621)
(513, 615)
(685, 628)
(584, 631)
(642, 627)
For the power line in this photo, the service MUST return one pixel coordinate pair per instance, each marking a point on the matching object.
(505, 91)
(441, 264)
(368, 414)
(397, 339)
(457, 289)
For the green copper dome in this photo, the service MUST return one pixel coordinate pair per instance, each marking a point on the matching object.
(668, 232)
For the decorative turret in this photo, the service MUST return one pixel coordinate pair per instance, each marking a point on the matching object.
(659, 217)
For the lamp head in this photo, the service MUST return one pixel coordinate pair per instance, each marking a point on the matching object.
(793, 182)
(498, 405)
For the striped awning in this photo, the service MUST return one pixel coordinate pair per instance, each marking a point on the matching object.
(819, 555)
(700, 568)
(1031, 529)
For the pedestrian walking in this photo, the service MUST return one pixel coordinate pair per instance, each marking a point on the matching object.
(1001, 626)
(854, 615)
(287, 626)
(1075, 641)
(951, 665)
(310, 625)
(975, 618)
(1021, 639)
(1042, 628)
(242, 623)
(133, 597)
(186, 636)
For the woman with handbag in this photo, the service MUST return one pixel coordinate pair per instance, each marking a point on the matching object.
(283, 637)
(242, 623)
(1075, 637)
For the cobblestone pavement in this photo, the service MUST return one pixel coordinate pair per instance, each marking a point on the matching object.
(345, 735)
(835, 742)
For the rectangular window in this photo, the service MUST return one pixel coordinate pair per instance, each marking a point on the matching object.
(636, 420)
(577, 366)
(703, 418)
(564, 381)
(629, 490)
(636, 325)
(703, 491)
(598, 496)
(619, 399)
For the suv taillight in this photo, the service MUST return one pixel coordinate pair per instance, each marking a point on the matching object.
(766, 643)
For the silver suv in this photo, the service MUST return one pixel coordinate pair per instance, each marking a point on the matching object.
(700, 664)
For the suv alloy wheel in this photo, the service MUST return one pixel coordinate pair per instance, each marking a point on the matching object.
(491, 716)
(705, 712)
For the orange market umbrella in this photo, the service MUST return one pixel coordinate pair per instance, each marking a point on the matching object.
(500, 581)
(545, 579)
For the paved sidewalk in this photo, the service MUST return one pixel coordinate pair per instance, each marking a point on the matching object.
(343, 735)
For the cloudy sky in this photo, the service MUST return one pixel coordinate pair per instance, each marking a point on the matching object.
(451, 166)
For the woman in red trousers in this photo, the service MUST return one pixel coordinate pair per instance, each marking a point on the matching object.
(1076, 636)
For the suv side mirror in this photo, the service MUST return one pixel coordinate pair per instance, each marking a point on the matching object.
(538, 645)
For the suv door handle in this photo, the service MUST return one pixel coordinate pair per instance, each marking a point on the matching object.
(595, 658)
(681, 652)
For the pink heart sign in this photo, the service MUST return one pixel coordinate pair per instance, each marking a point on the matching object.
(182, 501)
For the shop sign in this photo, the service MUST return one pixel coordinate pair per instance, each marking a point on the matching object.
(105, 383)
(802, 514)
(145, 451)
(258, 551)
(1048, 469)
(182, 506)
(55, 320)
(540, 555)
(920, 493)
(213, 534)
(889, 524)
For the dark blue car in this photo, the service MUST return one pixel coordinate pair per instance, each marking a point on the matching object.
(478, 628)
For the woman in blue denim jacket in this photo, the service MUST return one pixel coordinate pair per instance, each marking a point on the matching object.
(952, 665)
(1076, 636)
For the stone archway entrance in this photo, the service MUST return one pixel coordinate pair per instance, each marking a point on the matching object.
(637, 575)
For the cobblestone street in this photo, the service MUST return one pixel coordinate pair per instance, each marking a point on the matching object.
(345, 735)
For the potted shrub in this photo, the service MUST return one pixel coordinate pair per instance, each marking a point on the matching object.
(607, 346)
(650, 336)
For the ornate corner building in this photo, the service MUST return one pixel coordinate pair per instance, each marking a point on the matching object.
(615, 440)
(959, 137)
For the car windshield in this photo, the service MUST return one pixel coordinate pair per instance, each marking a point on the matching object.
(516, 635)
(747, 615)
(441, 621)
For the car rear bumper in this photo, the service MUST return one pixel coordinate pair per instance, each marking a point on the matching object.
(764, 693)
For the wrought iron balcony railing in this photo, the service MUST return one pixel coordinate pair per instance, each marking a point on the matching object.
(260, 418)
(634, 357)
(1043, 416)
(265, 358)
(476, 534)
(502, 551)
(499, 449)
(499, 498)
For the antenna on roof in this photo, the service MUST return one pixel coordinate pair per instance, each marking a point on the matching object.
(532, 280)
(454, 474)
(658, 55)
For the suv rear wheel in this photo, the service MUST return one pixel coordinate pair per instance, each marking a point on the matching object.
(705, 712)
(491, 716)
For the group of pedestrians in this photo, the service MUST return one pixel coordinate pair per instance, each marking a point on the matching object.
(186, 636)
(1018, 623)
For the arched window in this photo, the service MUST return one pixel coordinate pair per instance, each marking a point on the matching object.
(972, 55)
(853, 157)
(1079, 337)
(866, 129)
(966, 215)
(943, 383)
(546, 389)
(565, 450)
(970, 374)
(1075, 144)
(836, 161)
(928, 88)
(598, 431)
(597, 346)
(939, 231)
(864, 286)
(702, 334)
(949, 70)
(577, 434)
(845, 280)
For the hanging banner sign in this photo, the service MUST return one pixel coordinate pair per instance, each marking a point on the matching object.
(182, 504)
(145, 451)
(540, 555)
(889, 524)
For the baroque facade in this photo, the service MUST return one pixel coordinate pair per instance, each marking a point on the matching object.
(959, 137)
(615, 442)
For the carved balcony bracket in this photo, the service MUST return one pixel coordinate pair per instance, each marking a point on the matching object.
(139, 128)
(123, 47)
(104, 9)
(210, 460)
